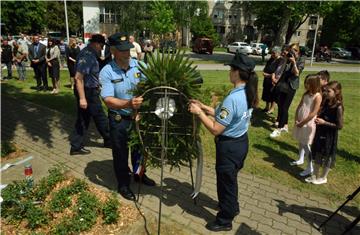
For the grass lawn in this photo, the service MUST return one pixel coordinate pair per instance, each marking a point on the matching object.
(267, 158)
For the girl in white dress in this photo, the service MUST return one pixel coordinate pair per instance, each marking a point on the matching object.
(304, 129)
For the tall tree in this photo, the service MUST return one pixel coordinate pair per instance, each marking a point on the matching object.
(23, 16)
(55, 16)
(162, 18)
(341, 26)
(283, 18)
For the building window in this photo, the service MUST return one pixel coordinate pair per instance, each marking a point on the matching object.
(229, 16)
(298, 33)
(107, 16)
(313, 20)
(218, 14)
(222, 29)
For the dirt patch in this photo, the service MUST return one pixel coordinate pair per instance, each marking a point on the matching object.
(14, 155)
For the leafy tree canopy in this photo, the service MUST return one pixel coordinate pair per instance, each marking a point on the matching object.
(341, 26)
(22, 16)
(38, 16)
(283, 18)
(162, 20)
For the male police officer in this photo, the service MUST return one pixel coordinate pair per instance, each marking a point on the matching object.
(87, 90)
(118, 78)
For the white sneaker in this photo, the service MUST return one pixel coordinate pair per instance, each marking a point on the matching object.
(296, 163)
(275, 133)
(306, 172)
(284, 129)
(320, 181)
(310, 179)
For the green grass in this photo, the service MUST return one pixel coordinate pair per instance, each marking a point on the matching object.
(267, 158)
(270, 158)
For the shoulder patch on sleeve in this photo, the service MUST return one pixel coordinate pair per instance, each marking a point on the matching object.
(224, 113)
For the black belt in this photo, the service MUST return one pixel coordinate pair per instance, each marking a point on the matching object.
(227, 138)
(119, 117)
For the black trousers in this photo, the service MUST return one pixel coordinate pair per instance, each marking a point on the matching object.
(40, 74)
(284, 102)
(230, 156)
(95, 111)
(119, 133)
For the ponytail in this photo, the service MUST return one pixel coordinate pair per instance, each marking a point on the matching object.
(251, 88)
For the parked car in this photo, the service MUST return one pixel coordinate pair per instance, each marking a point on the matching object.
(168, 46)
(256, 48)
(339, 52)
(355, 52)
(241, 47)
(203, 45)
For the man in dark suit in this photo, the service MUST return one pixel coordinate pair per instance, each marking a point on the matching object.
(37, 53)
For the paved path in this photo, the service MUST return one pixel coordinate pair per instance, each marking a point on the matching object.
(266, 207)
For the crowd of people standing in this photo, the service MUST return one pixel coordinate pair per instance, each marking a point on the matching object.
(45, 56)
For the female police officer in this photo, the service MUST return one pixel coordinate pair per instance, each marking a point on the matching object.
(230, 128)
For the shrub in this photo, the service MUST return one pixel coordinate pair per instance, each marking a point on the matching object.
(110, 210)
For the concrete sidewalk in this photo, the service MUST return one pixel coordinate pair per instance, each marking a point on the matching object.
(266, 207)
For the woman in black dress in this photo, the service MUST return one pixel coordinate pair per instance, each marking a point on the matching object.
(328, 123)
(72, 52)
(268, 85)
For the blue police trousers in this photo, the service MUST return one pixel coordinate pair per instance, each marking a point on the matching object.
(230, 157)
(95, 111)
(119, 134)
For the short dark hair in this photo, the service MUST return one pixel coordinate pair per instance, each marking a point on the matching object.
(324, 75)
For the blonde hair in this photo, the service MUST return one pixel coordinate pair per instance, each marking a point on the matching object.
(295, 46)
(72, 42)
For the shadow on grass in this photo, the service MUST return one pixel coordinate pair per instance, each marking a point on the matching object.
(347, 155)
(175, 192)
(280, 160)
(261, 119)
(316, 216)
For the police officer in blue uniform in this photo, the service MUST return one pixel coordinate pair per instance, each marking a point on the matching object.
(87, 91)
(118, 79)
(230, 126)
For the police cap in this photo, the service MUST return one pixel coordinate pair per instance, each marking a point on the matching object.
(242, 62)
(120, 41)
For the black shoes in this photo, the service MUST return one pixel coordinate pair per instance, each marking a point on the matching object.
(126, 192)
(145, 180)
(216, 227)
(81, 151)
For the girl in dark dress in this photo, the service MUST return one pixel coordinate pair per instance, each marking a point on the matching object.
(72, 52)
(328, 123)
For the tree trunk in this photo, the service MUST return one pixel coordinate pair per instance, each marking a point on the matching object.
(284, 24)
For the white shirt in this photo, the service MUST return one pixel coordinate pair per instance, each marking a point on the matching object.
(134, 51)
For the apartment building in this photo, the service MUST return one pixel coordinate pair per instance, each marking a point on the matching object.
(234, 21)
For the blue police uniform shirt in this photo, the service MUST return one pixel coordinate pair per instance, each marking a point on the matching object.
(118, 83)
(233, 113)
(87, 64)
